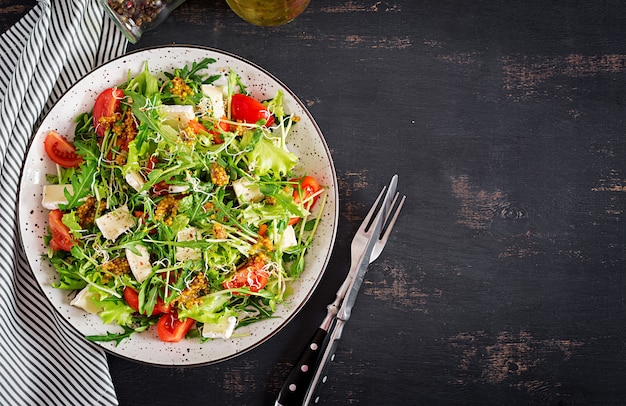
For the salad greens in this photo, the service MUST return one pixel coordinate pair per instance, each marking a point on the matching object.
(180, 208)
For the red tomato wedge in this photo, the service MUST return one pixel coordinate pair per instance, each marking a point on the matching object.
(249, 110)
(161, 188)
(251, 274)
(171, 329)
(106, 105)
(132, 299)
(309, 187)
(224, 126)
(151, 163)
(198, 127)
(61, 237)
(61, 151)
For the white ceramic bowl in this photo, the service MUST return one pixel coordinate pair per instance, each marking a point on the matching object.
(306, 141)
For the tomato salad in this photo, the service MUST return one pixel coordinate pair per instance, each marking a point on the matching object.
(175, 205)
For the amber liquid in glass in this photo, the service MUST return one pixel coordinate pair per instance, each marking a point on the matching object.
(268, 12)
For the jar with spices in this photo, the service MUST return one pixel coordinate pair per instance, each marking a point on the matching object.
(134, 17)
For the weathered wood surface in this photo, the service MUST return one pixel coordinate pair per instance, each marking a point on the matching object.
(11, 11)
(504, 280)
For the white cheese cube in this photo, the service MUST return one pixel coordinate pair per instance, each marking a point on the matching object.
(216, 96)
(182, 188)
(84, 301)
(115, 223)
(135, 180)
(287, 239)
(247, 191)
(186, 253)
(178, 188)
(139, 263)
(223, 329)
(178, 116)
(53, 195)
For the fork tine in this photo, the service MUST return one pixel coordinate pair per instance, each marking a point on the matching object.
(380, 244)
(385, 206)
(373, 210)
(367, 220)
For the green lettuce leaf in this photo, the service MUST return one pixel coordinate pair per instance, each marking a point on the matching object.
(145, 83)
(114, 310)
(210, 309)
(268, 159)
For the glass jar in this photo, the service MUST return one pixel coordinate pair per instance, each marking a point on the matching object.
(268, 12)
(134, 17)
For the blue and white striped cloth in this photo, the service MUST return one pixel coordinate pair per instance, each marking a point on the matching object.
(42, 360)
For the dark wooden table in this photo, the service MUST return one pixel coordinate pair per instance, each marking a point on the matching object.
(504, 280)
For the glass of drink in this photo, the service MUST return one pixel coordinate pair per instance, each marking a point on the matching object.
(268, 12)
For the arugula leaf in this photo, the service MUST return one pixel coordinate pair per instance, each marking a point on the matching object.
(148, 294)
(256, 311)
(193, 73)
(192, 78)
(83, 127)
(82, 182)
(117, 337)
(69, 274)
(146, 111)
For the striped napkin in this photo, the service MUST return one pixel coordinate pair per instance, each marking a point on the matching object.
(43, 361)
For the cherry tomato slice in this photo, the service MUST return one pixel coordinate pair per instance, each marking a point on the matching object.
(309, 187)
(132, 299)
(171, 329)
(61, 237)
(106, 105)
(161, 188)
(151, 163)
(54, 245)
(224, 126)
(251, 274)
(263, 229)
(245, 108)
(61, 151)
(198, 127)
